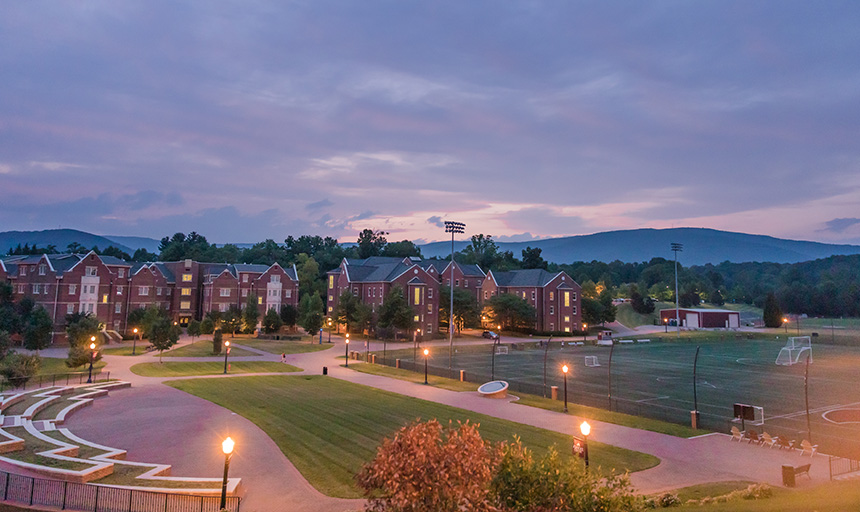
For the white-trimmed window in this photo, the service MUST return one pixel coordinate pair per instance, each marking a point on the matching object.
(486, 294)
(465, 283)
(288, 293)
(36, 289)
(429, 309)
(429, 328)
(186, 278)
(93, 289)
(70, 309)
(92, 271)
(244, 278)
(368, 292)
(223, 292)
(186, 292)
(143, 290)
(119, 290)
(118, 308)
(20, 288)
(574, 310)
(534, 295)
(551, 295)
(222, 307)
(185, 304)
(275, 279)
(43, 269)
(552, 310)
(22, 270)
(120, 273)
(566, 319)
(245, 292)
(73, 288)
(429, 293)
(551, 326)
(456, 282)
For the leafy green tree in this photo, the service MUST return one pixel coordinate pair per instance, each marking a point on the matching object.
(640, 304)
(347, 305)
(402, 249)
(207, 326)
(136, 319)
(5, 343)
(289, 315)
(80, 355)
(522, 483)
(483, 252)
(370, 243)
(217, 341)
(311, 314)
(266, 253)
(395, 311)
(308, 272)
(272, 322)
(592, 311)
(467, 312)
(37, 333)
(609, 310)
(80, 327)
(772, 314)
(231, 320)
(511, 311)
(194, 329)
(142, 255)
(533, 259)
(10, 320)
(163, 335)
(361, 318)
(18, 369)
(325, 251)
(716, 298)
(250, 315)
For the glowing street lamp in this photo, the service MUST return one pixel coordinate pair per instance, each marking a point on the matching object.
(426, 353)
(584, 331)
(227, 447)
(329, 330)
(226, 353)
(666, 324)
(346, 350)
(92, 357)
(564, 370)
(134, 342)
(785, 324)
(585, 428)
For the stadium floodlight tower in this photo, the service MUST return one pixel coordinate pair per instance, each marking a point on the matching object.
(676, 247)
(452, 227)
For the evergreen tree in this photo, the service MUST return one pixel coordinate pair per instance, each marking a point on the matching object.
(272, 322)
(250, 315)
(37, 333)
(289, 315)
(772, 315)
(395, 311)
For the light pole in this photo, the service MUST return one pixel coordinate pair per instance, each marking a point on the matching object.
(346, 350)
(92, 357)
(134, 342)
(675, 248)
(785, 324)
(329, 330)
(227, 448)
(584, 332)
(564, 370)
(426, 353)
(226, 353)
(585, 428)
(415, 347)
(493, 371)
(452, 227)
(666, 325)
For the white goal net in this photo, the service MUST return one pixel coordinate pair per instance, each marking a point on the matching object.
(796, 350)
(591, 361)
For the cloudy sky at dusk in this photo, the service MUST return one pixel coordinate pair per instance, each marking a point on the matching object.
(248, 120)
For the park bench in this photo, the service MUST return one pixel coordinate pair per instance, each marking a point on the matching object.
(604, 343)
(625, 341)
(644, 341)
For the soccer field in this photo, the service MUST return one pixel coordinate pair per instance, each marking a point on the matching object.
(656, 380)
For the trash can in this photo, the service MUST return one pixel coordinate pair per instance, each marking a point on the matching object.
(325, 370)
(787, 475)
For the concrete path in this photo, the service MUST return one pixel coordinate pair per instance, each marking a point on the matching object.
(157, 423)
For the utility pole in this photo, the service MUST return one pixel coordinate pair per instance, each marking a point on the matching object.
(452, 227)
(675, 248)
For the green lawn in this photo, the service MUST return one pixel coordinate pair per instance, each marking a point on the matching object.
(714, 489)
(397, 373)
(828, 497)
(54, 365)
(189, 368)
(139, 349)
(285, 347)
(203, 348)
(630, 318)
(329, 428)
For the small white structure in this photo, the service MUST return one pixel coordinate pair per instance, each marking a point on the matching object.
(494, 389)
(794, 349)
(591, 361)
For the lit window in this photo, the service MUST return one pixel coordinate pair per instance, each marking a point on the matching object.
(417, 296)
(330, 298)
(104, 298)
(430, 308)
(185, 304)
(186, 292)
(259, 300)
(329, 309)
(331, 281)
(566, 299)
(566, 319)
(186, 278)
(416, 318)
(551, 295)
(567, 329)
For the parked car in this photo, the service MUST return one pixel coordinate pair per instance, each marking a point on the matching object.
(490, 335)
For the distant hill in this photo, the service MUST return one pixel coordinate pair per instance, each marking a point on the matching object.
(136, 242)
(58, 237)
(701, 246)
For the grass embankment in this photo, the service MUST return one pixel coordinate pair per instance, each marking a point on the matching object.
(828, 497)
(284, 346)
(203, 348)
(138, 349)
(625, 314)
(329, 428)
(191, 368)
(594, 413)
(54, 366)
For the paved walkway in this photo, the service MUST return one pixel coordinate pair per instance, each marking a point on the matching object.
(157, 423)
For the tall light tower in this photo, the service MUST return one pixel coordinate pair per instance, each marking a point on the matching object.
(452, 227)
(676, 247)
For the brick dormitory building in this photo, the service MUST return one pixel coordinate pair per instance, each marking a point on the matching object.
(109, 288)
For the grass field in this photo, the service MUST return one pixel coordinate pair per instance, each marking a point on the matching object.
(203, 348)
(284, 346)
(829, 497)
(189, 368)
(329, 428)
(55, 365)
(656, 380)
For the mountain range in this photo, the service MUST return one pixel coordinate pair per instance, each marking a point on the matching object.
(700, 245)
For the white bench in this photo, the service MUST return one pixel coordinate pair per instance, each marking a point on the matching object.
(643, 341)
(604, 343)
(625, 341)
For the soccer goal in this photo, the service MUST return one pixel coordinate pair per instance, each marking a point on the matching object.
(797, 349)
(591, 361)
(501, 350)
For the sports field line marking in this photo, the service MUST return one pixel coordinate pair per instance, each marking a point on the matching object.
(654, 398)
(811, 411)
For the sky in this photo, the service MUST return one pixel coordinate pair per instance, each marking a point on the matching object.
(247, 120)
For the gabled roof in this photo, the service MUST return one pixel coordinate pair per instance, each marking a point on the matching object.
(534, 277)
(165, 271)
(439, 265)
(113, 260)
(375, 261)
(251, 267)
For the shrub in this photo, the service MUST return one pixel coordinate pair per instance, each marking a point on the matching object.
(18, 369)
(207, 326)
(668, 500)
(217, 341)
